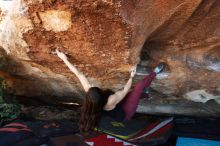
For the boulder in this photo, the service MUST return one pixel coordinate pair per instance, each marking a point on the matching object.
(104, 39)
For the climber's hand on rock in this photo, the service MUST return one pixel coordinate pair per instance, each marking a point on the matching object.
(133, 71)
(61, 55)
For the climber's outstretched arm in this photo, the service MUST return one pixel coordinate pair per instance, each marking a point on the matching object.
(114, 99)
(85, 83)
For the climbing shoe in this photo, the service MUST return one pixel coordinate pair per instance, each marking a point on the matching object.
(159, 68)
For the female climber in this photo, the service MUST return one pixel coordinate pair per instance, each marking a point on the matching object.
(122, 104)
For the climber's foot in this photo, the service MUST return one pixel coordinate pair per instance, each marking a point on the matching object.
(159, 68)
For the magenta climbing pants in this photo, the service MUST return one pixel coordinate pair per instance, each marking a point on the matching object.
(130, 103)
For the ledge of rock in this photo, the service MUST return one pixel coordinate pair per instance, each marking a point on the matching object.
(104, 39)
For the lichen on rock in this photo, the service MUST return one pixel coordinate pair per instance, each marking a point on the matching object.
(55, 20)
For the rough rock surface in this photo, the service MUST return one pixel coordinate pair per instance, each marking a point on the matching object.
(104, 39)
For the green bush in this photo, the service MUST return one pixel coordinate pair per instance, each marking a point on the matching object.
(8, 110)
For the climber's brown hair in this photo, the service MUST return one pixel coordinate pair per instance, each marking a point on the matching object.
(92, 108)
